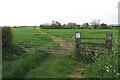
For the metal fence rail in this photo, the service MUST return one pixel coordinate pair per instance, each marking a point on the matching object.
(57, 53)
(37, 44)
(40, 38)
(93, 43)
(41, 34)
(44, 45)
(28, 33)
(44, 42)
(94, 38)
(54, 50)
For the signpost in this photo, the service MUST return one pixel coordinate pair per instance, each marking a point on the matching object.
(77, 46)
(109, 42)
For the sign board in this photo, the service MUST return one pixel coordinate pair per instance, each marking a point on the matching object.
(109, 38)
(77, 35)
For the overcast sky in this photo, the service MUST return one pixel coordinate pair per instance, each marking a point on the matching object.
(36, 12)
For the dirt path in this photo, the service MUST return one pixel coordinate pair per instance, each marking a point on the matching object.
(66, 47)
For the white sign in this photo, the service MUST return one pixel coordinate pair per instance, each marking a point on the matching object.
(77, 35)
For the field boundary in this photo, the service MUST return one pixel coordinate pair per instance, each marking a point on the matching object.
(65, 46)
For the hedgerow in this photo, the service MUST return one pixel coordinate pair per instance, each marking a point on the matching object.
(9, 50)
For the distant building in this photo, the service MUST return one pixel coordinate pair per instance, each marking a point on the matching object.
(46, 24)
(72, 24)
(103, 26)
(27, 26)
(116, 26)
(91, 27)
(17, 26)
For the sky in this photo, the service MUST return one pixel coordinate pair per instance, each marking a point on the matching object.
(36, 12)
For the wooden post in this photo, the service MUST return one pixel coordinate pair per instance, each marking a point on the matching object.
(77, 46)
(109, 42)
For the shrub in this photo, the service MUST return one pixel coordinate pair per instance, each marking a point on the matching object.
(6, 40)
(6, 37)
(105, 66)
(9, 50)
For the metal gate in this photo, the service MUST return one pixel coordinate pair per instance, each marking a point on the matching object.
(54, 45)
(46, 42)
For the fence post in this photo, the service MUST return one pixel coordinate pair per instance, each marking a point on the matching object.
(108, 42)
(77, 45)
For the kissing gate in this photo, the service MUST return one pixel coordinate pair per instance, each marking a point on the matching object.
(62, 46)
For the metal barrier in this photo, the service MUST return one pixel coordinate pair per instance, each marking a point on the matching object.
(64, 46)
(51, 47)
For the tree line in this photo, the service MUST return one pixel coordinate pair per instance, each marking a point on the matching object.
(95, 24)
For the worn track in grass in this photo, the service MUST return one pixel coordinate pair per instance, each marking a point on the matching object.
(66, 47)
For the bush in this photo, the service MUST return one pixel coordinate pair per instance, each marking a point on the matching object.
(6, 37)
(6, 41)
(9, 50)
(105, 66)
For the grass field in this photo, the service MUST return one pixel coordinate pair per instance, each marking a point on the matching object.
(37, 60)
(32, 40)
(85, 33)
(38, 64)
(105, 66)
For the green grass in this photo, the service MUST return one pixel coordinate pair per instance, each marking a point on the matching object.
(97, 69)
(19, 68)
(32, 40)
(38, 64)
(105, 66)
(85, 33)
(56, 66)
(36, 60)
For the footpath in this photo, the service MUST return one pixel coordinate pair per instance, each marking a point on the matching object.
(66, 47)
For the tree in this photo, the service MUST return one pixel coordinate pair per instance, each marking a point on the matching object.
(9, 49)
(95, 23)
(77, 26)
(56, 25)
(64, 26)
(7, 37)
(72, 25)
(85, 25)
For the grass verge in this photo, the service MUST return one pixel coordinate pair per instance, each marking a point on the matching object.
(56, 66)
(19, 68)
